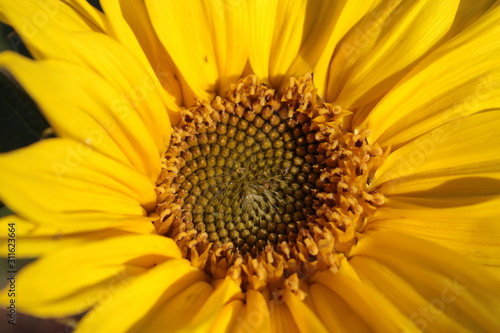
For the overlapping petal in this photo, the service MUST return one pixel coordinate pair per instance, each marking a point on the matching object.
(282, 319)
(35, 21)
(468, 228)
(252, 316)
(38, 239)
(61, 181)
(207, 41)
(96, 115)
(129, 23)
(104, 269)
(434, 92)
(171, 291)
(374, 55)
(305, 319)
(288, 37)
(466, 147)
(439, 283)
(228, 315)
(444, 186)
(346, 15)
(48, 28)
(364, 304)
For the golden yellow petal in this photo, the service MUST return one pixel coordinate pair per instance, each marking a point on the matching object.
(334, 312)
(344, 15)
(176, 313)
(263, 19)
(35, 20)
(451, 284)
(124, 73)
(227, 316)
(276, 40)
(96, 114)
(458, 79)
(442, 186)
(129, 23)
(229, 24)
(468, 12)
(202, 320)
(116, 65)
(289, 36)
(187, 34)
(367, 303)
(104, 269)
(466, 147)
(51, 29)
(253, 316)
(383, 46)
(305, 319)
(38, 239)
(60, 181)
(402, 294)
(145, 297)
(89, 12)
(281, 318)
(468, 228)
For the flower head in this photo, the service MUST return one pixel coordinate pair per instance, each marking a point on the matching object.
(259, 165)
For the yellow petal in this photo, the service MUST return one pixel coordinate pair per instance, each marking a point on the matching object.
(202, 320)
(368, 304)
(60, 181)
(159, 285)
(403, 295)
(345, 14)
(186, 32)
(38, 239)
(95, 114)
(470, 229)
(198, 305)
(124, 73)
(178, 311)
(51, 29)
(263, 19)
(452, 285)
(281, 318)
(466, 147)
(305, 319)
(69, 281)
(473, 185)
(129, 23)
(229, 24)
(288, 37)
(118, 68)
(32, 20)
(458, 79)
(276, 38)
(227, 317)
(253, 316)
(383, 46)
(89, 12)
(467, 13)
(116, 65)
(335, 313)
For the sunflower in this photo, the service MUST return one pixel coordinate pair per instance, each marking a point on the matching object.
(257, 165)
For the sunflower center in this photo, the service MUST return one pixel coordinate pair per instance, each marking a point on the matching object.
(266, 188)
(249, 179)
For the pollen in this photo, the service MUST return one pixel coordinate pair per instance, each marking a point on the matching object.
(265, 187)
